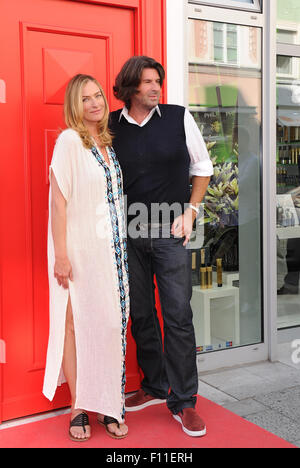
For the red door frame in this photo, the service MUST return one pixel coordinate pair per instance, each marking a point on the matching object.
(1, 326)
(150, 39)
(1, 289)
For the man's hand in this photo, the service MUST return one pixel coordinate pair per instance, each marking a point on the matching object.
(183, 225)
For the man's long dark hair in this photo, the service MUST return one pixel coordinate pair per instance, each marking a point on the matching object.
(129, 78)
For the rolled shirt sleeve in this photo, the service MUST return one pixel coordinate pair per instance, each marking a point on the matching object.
(201, 164)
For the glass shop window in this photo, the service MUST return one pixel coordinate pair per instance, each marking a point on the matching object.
(225, 82)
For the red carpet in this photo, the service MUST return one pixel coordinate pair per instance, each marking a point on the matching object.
(153, 427)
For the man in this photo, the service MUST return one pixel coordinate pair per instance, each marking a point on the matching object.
(159, 148)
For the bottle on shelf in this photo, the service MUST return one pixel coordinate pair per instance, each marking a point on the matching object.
(219, 272)
(203, 271)
(209, 276)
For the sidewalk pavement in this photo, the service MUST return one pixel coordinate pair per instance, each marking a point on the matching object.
(267, 394)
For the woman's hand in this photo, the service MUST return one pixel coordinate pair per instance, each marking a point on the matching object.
(63, 272)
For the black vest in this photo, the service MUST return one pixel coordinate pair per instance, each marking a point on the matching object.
(154, 159)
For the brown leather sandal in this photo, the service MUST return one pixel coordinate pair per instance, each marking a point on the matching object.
(81, 420)
(109, 420)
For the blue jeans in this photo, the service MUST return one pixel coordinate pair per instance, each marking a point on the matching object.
(169, 367)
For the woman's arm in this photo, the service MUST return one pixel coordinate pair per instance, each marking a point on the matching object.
(62, 268)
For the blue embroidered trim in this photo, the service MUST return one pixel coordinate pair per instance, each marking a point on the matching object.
(117, 248)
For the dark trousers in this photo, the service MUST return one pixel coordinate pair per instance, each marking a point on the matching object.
(170, 365)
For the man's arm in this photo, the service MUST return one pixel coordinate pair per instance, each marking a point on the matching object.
(199, 187)
(201, 169)
(200, 164)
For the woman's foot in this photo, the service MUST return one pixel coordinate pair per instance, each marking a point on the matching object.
(114, 429)
(81, 431)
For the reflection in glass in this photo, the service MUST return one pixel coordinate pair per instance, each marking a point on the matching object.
(225, 99)
(285, 66)
(288, 192)
(225, 43)
(288, 22)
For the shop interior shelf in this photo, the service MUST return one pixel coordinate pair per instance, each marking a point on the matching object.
(216, 313)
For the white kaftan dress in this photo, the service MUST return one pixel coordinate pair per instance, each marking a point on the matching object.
(99, 292)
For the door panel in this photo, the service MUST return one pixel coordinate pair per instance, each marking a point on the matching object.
(52, 60)
(55, 39)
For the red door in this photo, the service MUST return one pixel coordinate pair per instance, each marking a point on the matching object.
(43, 44)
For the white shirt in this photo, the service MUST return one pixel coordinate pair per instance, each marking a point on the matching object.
(201, 164)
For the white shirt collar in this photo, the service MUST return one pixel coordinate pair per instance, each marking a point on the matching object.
(125, 113)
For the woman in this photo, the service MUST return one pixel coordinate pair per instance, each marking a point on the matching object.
(87, 260)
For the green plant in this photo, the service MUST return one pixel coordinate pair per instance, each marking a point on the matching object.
(221, 203)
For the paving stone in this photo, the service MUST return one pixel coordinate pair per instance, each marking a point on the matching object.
(286, 402)
(276, 423)
(267, 394)
(277, 375)
(250, 389)
(250, 381)
(245, 407)
(273, 371)
(230, 378)
(212, 394)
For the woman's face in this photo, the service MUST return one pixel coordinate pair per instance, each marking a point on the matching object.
(93, 103)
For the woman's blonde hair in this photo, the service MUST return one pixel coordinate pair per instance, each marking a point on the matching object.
(73, 110)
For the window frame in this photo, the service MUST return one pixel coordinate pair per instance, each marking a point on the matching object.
(178, 13)
(202, 16)
(225, 47)
(293, 65)
(232, 4)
